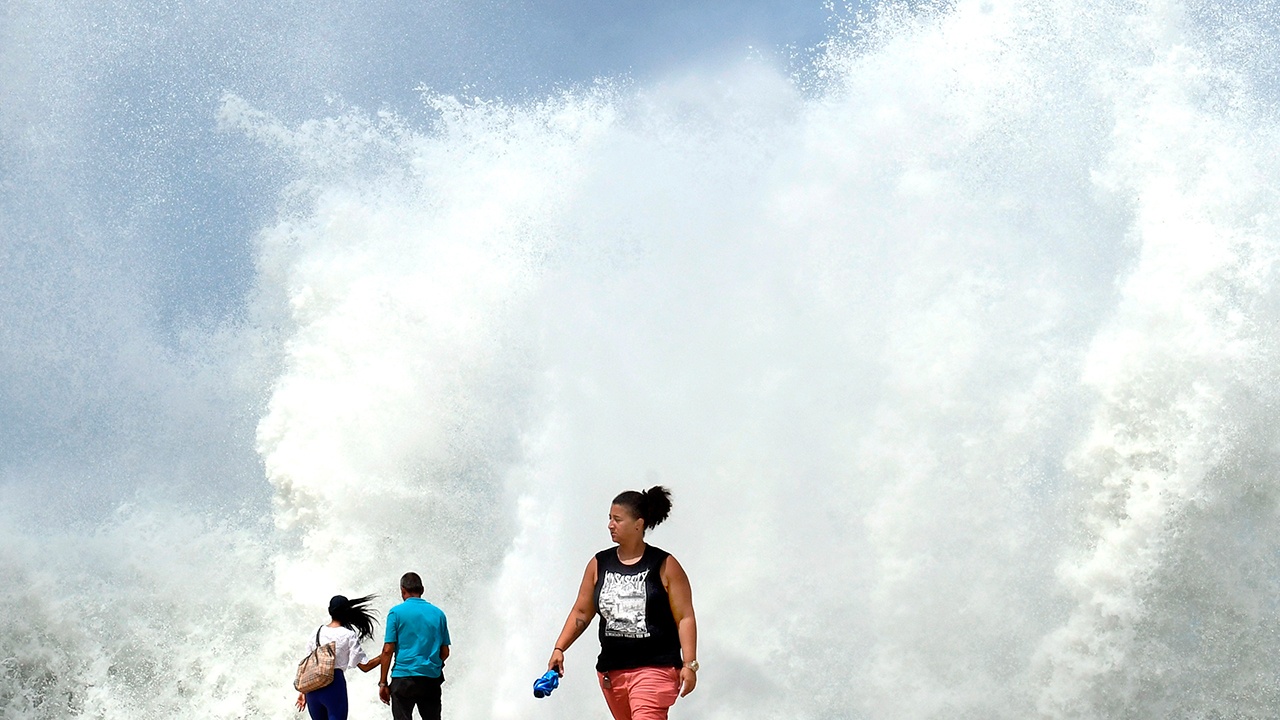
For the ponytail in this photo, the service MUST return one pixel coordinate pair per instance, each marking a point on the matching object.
(354, 614)
(652, 505)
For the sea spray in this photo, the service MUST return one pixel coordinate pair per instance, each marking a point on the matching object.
(152, 614)
(1181, 430)
(957, 352)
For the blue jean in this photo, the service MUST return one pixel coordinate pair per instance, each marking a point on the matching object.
(330, 701)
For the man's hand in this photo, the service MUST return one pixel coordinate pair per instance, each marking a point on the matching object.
(384, 684)
(688, 681)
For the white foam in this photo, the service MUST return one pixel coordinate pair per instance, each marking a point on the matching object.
(956, 353)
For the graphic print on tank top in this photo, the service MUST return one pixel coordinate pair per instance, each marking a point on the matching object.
(622, 605)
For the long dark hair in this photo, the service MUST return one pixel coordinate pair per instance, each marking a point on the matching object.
(354, 614)
(652, 505)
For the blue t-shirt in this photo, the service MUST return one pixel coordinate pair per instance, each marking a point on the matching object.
(418, 629)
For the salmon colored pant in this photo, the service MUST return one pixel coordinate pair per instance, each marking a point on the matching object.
(645, 693)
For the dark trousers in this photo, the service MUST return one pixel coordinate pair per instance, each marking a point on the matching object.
(330, 701)
(420, 692)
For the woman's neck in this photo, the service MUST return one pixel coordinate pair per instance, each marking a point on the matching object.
(630, 552)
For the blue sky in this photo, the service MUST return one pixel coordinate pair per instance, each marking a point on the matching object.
(508, 48)
(128, 217)
(130, 90)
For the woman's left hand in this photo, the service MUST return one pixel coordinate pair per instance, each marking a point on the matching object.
(688, 681)
(302, 702)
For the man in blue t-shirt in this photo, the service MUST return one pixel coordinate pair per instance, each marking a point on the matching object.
(418, 639)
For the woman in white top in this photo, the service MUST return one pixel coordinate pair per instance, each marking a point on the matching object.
(351, 621)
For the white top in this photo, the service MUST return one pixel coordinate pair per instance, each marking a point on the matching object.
(347, 650)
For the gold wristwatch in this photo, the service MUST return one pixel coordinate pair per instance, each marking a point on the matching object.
(692, 665)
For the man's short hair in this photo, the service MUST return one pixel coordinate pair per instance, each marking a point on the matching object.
(411, 583)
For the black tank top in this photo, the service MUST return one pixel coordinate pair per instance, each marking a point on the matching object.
(637, 628)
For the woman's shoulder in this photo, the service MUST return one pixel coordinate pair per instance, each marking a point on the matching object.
(656, 553)
(335, 633)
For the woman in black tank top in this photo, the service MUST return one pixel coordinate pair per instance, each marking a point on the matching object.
(648, 634)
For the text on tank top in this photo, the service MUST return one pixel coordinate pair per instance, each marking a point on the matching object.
(637, 628)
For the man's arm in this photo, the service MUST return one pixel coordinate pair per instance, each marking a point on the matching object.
(444, 653)
(388, 652)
